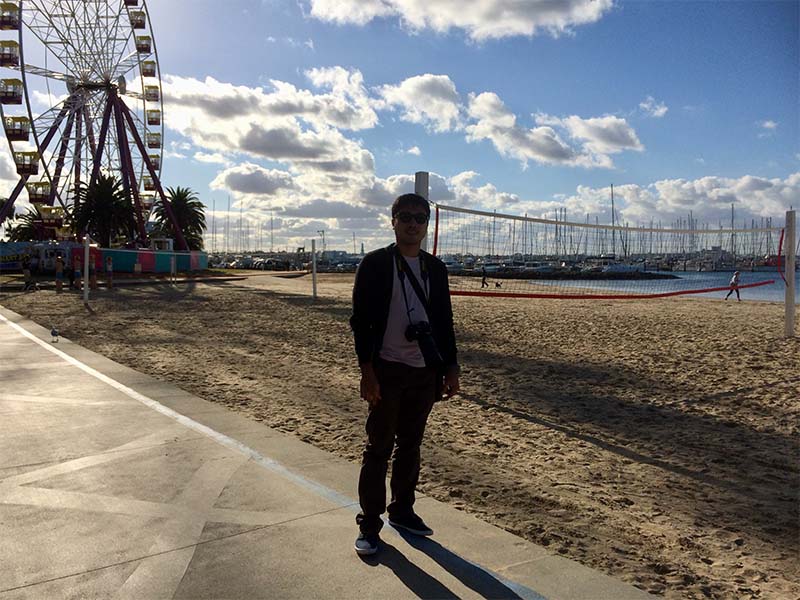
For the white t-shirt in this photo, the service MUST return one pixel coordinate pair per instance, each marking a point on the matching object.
(396, 347)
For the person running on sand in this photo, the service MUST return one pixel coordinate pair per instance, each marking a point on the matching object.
(403, 328)
(734, 286)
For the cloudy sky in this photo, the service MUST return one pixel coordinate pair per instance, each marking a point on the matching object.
(318, 112)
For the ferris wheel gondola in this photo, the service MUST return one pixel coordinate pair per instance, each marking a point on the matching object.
(80, 94)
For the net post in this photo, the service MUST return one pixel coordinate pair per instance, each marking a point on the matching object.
(86, 241)
(421, 189)
(314, 269)
(790, 244)
(436, 232)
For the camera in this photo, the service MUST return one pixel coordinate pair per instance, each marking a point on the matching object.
(423, 334)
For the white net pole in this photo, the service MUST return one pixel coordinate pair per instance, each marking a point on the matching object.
(789, 241)
(86, 241)
(314, 269)
(421, 189)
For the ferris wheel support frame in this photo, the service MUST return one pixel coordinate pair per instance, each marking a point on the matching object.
(153, 174)
(128, 172)
(62, 153)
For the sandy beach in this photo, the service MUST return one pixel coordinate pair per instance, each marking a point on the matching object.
(656, 441)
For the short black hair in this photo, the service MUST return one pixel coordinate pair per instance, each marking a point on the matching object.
(407, 200)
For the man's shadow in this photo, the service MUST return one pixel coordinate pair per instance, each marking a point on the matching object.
(425, 585)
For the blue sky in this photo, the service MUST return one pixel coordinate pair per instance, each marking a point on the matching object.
(319, 111)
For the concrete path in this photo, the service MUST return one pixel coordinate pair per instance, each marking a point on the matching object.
(116, 485)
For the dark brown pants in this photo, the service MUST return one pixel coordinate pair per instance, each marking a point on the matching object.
(396, 423)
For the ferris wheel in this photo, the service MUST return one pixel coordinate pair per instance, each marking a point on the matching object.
(80, 94)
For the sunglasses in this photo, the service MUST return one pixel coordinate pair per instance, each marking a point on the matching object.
(407, 217)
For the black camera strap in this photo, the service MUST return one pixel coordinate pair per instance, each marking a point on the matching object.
(404, 269)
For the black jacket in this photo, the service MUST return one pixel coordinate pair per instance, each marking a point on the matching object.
(372, 295)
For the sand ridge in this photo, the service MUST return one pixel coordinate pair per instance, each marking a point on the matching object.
(656, 441)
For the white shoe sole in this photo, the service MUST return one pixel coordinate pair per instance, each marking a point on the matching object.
(365, 551)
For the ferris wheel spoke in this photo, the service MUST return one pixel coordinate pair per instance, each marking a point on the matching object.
(127, 36)
(54, 25)
(42, 37)
(127, 64)
(87, 30)
(91, 30)
(49, 73)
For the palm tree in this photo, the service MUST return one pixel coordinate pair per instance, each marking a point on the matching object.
(104, 211)
(189, 212)
(25, 229)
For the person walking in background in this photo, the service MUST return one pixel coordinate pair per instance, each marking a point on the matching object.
(76, 270)
(27, 278)
(402, 324)
(59, 273)
(92, 273)
(109, 272)
(484, 283)
(70, 273)
(734, 286)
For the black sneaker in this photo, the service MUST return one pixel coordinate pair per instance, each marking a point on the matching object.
(411, 523)
(367, 544)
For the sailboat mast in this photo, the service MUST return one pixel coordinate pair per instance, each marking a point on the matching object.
(613, 231)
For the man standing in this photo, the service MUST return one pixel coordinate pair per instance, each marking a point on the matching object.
(403, 327)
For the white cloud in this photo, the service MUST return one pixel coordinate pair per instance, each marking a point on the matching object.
(414, 150)
(486, 196)
(653, 108)
(329, 209)
(214, 158)
(768, 128)
(601, 135)
(292, 42)
(248, 178)
(597, 137)
(708, 198)
(496, 123)
(481, 20)
(296, 127)
(46, 100)
(431, 100)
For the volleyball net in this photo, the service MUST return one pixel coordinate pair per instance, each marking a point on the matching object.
(491, 254)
